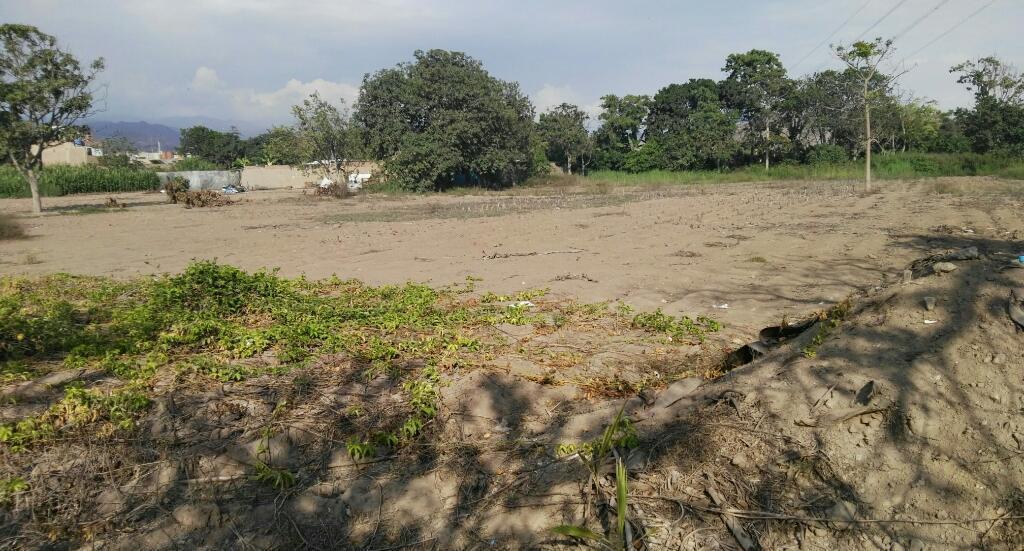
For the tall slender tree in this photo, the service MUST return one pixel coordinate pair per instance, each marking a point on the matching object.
(864, 59)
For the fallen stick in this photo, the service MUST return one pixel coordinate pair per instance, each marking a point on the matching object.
(742, 537)
(533, 253)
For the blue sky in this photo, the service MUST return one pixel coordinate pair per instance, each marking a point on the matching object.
(250, 60)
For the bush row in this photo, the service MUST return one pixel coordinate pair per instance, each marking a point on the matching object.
(827, 165)
(67, 180)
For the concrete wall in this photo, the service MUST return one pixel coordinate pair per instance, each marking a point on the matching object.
(278, 177)
(204, 179)
(275, 177)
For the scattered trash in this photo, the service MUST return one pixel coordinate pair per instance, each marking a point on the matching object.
(524, 304)
(231, 188)
(930, 322)
(723, 306)
(908, 276)
(929, 303)
(943, 267)
(969, 253)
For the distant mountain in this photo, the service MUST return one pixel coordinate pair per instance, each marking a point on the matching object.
(144, 135)
(166, 130)
(245, 129)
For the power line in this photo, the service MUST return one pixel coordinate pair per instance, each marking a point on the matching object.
(829, 37)
(880, 19)
(949, 30)
(920, 19)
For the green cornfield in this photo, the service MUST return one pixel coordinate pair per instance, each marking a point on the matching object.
(67, 180)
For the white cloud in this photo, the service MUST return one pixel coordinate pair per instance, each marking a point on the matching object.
(210, 93)
(552, 96)
(336, 11)
(206, 79)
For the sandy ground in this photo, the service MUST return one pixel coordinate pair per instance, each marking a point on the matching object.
(897, 429)
(762, 250)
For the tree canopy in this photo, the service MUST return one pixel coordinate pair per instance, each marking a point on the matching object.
(564, 130)
(442, 120)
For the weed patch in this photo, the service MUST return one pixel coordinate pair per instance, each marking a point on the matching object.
(829, 321)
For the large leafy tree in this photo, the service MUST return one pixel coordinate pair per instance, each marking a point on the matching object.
(443, 120)
(997, 121)
(864, 59)
(756, 84)
(220, 148)
(673, 104)
(44, 94)
(283, 145)
(823, 101)
(623, 123)
(691, 127)
(564, 130)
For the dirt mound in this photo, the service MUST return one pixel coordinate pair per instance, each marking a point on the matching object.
(915, 401)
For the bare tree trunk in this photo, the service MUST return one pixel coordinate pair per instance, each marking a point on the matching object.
(568, 164)
(33, 182)
(767, 142)
(867, 140)
(33, 185)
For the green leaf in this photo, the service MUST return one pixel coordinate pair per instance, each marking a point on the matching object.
(621, 492)
(577, 532)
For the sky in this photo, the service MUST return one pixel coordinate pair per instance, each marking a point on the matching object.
(249, 61)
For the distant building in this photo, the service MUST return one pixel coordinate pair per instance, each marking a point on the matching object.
(156, 157)
(76, 153)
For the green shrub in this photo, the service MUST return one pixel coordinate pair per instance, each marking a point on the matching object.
(68, 180)
(826, 154)
(194, 163)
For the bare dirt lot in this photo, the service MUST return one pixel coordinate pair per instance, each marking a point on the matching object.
(762, 250)
(890, 420)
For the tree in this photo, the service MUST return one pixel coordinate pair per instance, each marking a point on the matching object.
(824, 100)
(997, 121)
(44, 94)
(756, 86)
(283, 145)
(673, 104)
(442, 120)
(691, 127)
(564, 129)
(864, 59)
(990, 77)
(221, 148)
(324, 131)
(623, 122)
